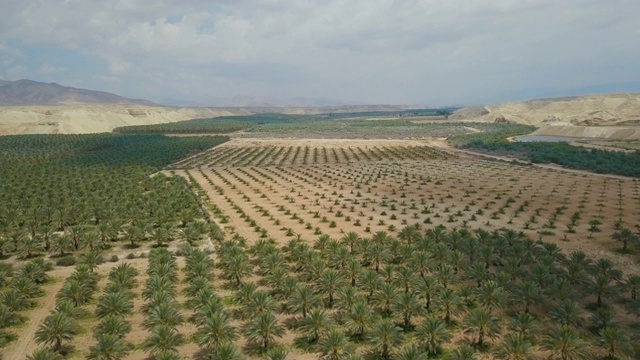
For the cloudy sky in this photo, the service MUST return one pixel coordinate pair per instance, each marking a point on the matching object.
(430, 52)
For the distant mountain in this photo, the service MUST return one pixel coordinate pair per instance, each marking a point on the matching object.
(246, 101)
(28, 92)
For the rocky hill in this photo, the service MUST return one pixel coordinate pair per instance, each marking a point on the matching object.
(590, 110)
(611, 116)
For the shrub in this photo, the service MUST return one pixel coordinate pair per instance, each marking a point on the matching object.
(68, 260)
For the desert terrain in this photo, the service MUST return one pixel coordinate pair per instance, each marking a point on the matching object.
(390, 219)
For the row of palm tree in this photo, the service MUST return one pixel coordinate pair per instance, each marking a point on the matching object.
(112, 310)
(60, 327)
(429, 285)
(19, 289)
(161, 309)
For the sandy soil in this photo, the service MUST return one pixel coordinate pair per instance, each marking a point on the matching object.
(26, 342)
(327, 188)
(84, 119)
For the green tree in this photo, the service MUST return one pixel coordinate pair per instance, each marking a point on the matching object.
(329, 282)
(360, 319)
(448, 302)
(317, 324)
(213, 330)
(114, 303)
(385, 336)
(163, 339)
(616, 342)
(463, 352)
(108, 347)
(228, 351)
(515, 347)
(407, 305)
(112, 325)
(303, 299)
(565, 343)
(432, 334)
(411, 352)
(45, 354)
(524, 324)
(491, 295)
(56, 329)
(386, 296)
(567, 313)
(263, 329)
(335, 346)
(481, 325)
(626, 237)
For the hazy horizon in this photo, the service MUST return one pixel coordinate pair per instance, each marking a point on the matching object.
(430, 53)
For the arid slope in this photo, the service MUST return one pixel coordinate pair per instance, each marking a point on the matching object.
(614, 116)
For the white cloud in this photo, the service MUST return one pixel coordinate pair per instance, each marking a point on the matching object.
(366, 50)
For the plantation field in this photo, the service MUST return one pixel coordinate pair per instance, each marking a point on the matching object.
(316, 248)
(268, 152)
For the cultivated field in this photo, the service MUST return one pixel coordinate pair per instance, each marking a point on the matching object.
(345, 249)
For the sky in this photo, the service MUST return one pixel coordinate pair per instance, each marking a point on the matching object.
(428, 52)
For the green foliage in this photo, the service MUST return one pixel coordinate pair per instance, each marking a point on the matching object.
(89, 186)
(600, 161)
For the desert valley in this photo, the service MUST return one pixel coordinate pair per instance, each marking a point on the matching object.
(137, 231)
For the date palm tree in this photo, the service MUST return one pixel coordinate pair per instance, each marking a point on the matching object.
(491, 295)
(276, 353)
(385, 336)
(346, 297)
(264, 329)
(407, 305)
(302, 300)
(29, 247)
(164, 313)
(625, 236)
(481, 325)
(525, 293)
(108, 347)
(236, 268)
(330, 281)
(411, 352)
(317, 324)
(371, 282)
(351, 239)
(353, 271)
(524, 324)
(515, 347)
(463, 352)
(567, 313)
(163, 339)
(602, 287)
(114, 303)
(360, 319)
(112, 325)
(427, 288)
(335, 346)
(385, 297)
(564, 342)
(45, 354)
(616, 342)
(215, 330)
(228, 351)
(56, 329)
(76, 292)
(448, 302)
(432, 334)
(632, 285)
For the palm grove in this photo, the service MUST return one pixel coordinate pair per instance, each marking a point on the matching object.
(423, 293)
